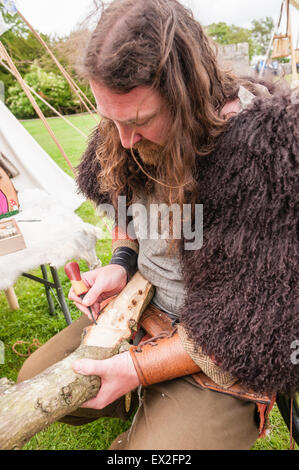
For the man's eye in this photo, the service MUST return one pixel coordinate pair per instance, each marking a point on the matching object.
(144, 123)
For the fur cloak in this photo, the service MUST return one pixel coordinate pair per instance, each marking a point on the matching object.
(241, 285)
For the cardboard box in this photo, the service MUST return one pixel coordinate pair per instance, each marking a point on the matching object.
(11, 238)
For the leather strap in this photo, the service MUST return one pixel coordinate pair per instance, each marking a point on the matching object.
(154, 321)
(127, 258)
(237, 390)
(162, 358)
(169, 360)
(121, 239)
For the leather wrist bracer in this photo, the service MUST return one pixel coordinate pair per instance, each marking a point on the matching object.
(161, 359)
(127, 258)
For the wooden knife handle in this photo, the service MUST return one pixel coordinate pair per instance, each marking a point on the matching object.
(72, 271)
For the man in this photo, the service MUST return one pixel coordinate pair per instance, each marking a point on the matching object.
(176, 130)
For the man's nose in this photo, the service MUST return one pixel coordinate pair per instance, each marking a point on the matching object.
(128, 136)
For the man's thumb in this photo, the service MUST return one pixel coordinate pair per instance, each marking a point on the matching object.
(85, 367)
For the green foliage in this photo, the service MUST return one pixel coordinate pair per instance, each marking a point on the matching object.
(225, 34)
(18, 103)
(261, 34)
(50, 86)
(24, 49)
(230, 34)
(39, 70)
(284, 60)
(258, 36)
(21, 43)
(15, 22)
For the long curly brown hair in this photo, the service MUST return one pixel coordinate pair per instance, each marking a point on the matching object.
(158, 43)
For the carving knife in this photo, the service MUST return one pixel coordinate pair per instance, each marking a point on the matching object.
(72, 271)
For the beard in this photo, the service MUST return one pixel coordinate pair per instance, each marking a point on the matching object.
(149, 152)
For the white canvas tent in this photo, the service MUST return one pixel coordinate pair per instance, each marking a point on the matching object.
(34, 166)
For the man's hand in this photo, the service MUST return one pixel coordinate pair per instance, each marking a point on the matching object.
(118, 377)
(102, 283)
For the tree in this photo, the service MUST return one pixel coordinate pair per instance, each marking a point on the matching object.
(21, 46)
(15, 22)
(50, 86)
(223, 33)
(69, 51)
(39, 70)
(258, 36)
(261, 34)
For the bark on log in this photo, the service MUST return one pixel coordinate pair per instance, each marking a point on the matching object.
(31, 406)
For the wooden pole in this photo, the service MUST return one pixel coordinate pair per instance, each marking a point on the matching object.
(69, 79)
(272, 39)
(295, 81)
(7, 58)
(30, 406)
(12, 298)
(46, 102)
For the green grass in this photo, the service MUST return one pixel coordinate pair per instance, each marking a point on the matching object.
(33, 320)
(72, 142)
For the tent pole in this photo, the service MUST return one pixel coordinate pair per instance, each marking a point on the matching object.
(272, 38)
(7, 58)
(70, 81)
(45, 102)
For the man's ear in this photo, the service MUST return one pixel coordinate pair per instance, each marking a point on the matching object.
(230, 109)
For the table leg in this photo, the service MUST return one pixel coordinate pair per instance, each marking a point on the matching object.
(12, 298)
(48, 290)
(52, 285)
(60, 295)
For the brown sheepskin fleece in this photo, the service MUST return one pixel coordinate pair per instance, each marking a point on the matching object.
(241, 285)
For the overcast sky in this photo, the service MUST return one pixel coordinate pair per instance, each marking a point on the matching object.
(61, 16)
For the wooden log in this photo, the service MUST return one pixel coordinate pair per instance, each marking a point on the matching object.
(32, 405)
